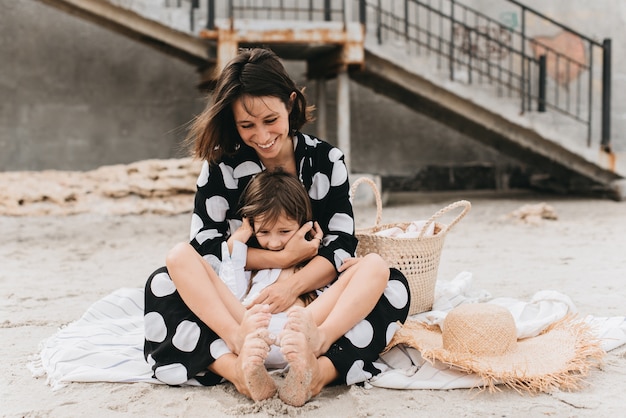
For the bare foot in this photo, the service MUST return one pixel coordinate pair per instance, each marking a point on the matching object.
(299, 319)
(255, 318)
(299, 385)
(253, 379)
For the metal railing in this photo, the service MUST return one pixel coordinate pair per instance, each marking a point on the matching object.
(489, 50)
(467, 43)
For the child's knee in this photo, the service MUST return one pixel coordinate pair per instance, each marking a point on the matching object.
(178, 254)
(376, 265)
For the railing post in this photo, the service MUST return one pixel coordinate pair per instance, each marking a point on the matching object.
(523, 48)
(451, 52)
(606, 95)
(379, 22)
(406, 21)
(210, 21)
(363, 12)
(541, 103)
(192, 14)
(327, 13)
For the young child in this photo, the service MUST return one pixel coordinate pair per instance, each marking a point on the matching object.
(275, 206)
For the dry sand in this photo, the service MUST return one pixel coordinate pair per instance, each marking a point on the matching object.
(53, 267)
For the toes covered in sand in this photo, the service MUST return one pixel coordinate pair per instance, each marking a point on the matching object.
(298, 386)
(255, 381)
(256, 318)
(300, 320)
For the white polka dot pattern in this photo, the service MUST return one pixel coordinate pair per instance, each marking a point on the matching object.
(196, 225)
(218, 348)
(340, 174)
(186, 336)
(341, 222)
(391, 331)
(171, 374)
(335, 155)
(396, 294)
(361, 334)
(328, 239)
(216, 207)
(154, 327)
(246, 168)
(162, 285)
(203, 178)
(340, 256)
(320, 187)
(356, 374)
(312, 142)
(229, 178)
(208, 234)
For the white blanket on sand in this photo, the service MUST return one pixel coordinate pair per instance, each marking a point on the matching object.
(106, 343)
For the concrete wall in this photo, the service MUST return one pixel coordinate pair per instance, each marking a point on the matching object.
(76, 96)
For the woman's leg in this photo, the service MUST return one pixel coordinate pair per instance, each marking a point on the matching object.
(354, 353)
(178, 345)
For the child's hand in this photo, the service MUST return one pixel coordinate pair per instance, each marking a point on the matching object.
(242, 234)
(349, 262)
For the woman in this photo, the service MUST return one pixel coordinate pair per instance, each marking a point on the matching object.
(254, 124)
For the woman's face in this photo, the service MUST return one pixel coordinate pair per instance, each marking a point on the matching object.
(263, 124)
(274, 236)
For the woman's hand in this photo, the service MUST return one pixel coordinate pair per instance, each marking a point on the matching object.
(298, 248)
(280, 296)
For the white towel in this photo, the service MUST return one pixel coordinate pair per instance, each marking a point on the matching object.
(106, 343)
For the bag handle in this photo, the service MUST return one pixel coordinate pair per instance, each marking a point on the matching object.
(466, 208)
(379, 203)
(379, 207)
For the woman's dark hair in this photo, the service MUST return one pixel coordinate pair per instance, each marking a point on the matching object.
(271, 194)
(254, 72)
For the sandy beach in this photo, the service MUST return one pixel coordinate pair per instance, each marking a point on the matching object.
(53, 267)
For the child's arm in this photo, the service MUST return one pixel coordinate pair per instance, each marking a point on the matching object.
(242, 234)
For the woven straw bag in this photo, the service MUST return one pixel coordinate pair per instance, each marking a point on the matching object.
(417, 258)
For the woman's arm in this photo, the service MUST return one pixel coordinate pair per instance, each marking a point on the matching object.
(209, 221)
(283, 293)
(297, 250)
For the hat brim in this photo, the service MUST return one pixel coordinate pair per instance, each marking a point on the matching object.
(558, 358)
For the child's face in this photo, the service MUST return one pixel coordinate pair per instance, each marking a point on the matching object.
(274, 236)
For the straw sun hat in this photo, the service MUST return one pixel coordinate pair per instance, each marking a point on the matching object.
(481, 338)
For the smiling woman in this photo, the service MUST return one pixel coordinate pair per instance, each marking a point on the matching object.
(253, 125)
(263, 124)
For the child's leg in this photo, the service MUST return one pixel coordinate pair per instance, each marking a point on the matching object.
(329, 318)
(208, 297)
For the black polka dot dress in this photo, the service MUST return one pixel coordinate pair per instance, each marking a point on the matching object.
(179, 347)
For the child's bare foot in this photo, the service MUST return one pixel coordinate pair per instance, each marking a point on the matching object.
(254, 380)
(300, 384)
(299, 319)
(255, 318)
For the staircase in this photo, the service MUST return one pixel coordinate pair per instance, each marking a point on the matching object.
(524, 96)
